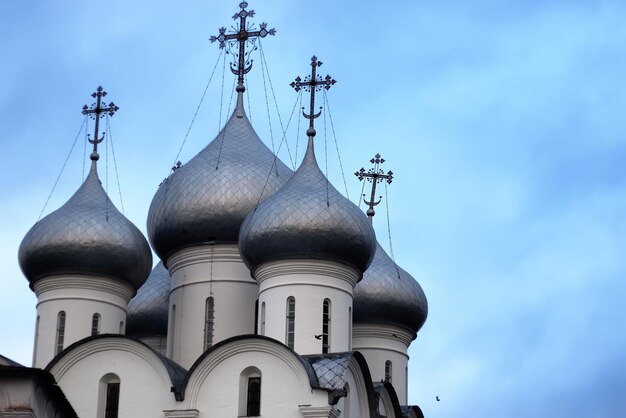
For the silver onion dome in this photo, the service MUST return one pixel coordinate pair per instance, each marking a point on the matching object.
(87, 236)
(148, 310)
(207, 199)
(307, 218)
(387, 294)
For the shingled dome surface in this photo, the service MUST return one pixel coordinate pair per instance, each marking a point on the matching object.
(307, 218)
(207, 199)
(86, 236)
(387, 294)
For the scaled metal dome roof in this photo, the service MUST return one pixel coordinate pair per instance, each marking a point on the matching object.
(87, 236)
(307, 218)
(207, 199)
(148, 310)
(387, 294)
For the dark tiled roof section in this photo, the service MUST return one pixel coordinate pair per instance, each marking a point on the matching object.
(307, 218)
(148, 310)
(208, 198)
(87, 235)
(387, 294)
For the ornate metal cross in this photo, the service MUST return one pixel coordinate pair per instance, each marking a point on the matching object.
(242, 34)
(313, 83)
(96, 111)
(374, 175)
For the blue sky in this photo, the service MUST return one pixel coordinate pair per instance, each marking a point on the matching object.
(504, 123)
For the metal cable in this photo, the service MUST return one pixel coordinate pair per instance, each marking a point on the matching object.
(230, 102)
(106, 175)
(393, 257)
(269, 173)
(267, 106)
(280, 120)
(326, 160)
(85, 147)
(62, 168)
(332, 126)
(298, 133)
(197, 110)
(219, 122)
(117, 176)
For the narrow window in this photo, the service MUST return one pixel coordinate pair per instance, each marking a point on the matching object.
(95, 324)
(112, 400)
(209, 322)
(249, 392)
(350, 331)
(263, 318)
(121, 327)
(109, 396)
(36, 341)
(254, 397)
(326, 326)
(388, 371)
(60, 332)
(291, 322)
(256, 317)
(171, 335)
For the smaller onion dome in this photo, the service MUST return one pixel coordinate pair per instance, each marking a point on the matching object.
(207, 199)
(86, 236)
(148, 310)
(307, 218)
(387, 294)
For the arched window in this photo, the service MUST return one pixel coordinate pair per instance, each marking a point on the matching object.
(326, 326)
(36, 341)
(263, 318)
(388, 371)
(60, 332)
(95, 324)
(209, 322)
(250, 392)
(109, 396)
(171, 335)
(256, 317)
(350, 330)
(291, 322)
(121, 327)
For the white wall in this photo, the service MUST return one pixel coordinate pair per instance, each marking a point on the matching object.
(79, 297)
(144, 382)
(213, 388)
(309, 282)
(199, 272)
(379, 343)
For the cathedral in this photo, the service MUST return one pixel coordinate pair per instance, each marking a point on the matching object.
(271, 297)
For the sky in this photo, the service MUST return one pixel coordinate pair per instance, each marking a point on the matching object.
(504, 124)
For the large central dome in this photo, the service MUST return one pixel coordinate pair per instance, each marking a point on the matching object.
(207, 199)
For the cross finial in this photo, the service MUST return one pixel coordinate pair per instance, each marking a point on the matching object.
(96, 111)
(374, 175)
(242, 34)
(313, 83)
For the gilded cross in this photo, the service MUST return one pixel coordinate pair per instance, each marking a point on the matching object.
(96, 111)
(313, 83)
(374, 175)
(242, 34)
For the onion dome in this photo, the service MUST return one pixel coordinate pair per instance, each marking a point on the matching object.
(86, 236)
(207, 199)
(307, 218)
(148, 310)
(389, 295)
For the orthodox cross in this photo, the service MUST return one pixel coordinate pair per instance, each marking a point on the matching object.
(313, 83)
(96, 111)
(374, 175)
(242, 34)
